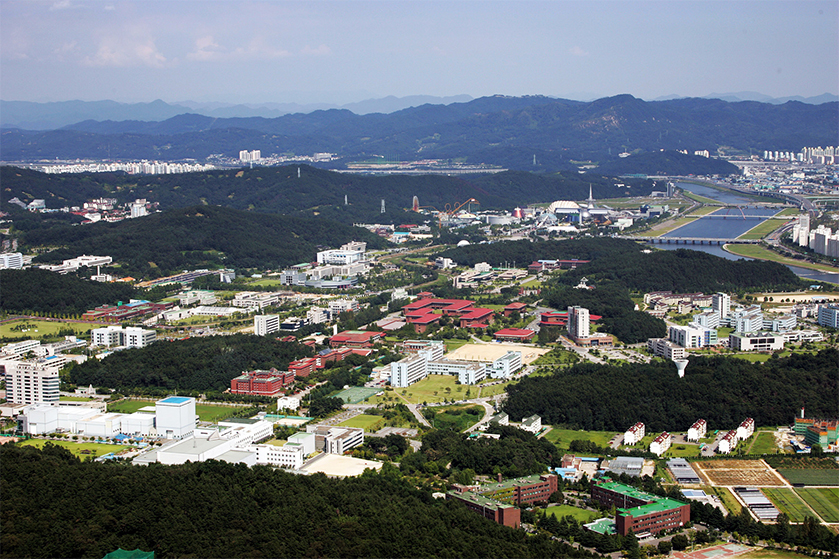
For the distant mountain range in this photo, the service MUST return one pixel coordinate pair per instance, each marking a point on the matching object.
(505, 131)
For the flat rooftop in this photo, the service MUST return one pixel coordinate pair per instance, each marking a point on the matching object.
(176, 400)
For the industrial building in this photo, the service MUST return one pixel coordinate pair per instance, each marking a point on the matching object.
(175, 417)
(682, 471)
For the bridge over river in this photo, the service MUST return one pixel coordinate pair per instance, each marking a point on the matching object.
(692, 240)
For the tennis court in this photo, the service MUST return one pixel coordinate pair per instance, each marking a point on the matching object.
(356, 394)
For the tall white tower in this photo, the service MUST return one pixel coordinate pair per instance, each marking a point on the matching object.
(721, 303)
(578, 322)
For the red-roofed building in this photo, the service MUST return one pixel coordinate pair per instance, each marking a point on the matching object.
(477, 318)
(425, 295)
(448, 306)
(261, 383)
(355, 338)
(303, 367)
(553, 319)
(515, 335)
(423, 322)
(514, 307)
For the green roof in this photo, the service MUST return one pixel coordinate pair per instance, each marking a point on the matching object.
(602, 526)
(125, 554)
(629, 491)
(661, 505)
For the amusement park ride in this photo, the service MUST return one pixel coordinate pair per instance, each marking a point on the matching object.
(448, 211)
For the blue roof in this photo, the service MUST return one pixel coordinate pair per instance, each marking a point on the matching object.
(174, 400)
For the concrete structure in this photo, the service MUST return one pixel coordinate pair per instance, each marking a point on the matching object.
(758, 341)
(33, 381)
(746, 429)
(11, 261)
(336, 440)
(258, 299)
(117, 336)
(692, 336)
(829, 315)
(578, 323)
(697, 430)
(264, 324)
(340, 257)
(663, 347)
(721, 303)
(708, 319)
(634, 434)
(288, 403)
(532, 424)
(637, 511)
(728, 442)
(661, 443)
(175, 417)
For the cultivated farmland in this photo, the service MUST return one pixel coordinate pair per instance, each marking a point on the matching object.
(825, 501)
(788, 503)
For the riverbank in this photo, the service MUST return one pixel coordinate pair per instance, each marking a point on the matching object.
(761, 253)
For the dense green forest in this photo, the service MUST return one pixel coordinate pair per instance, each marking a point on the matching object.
(666, 163)
(517, 453)
(48, 293)
(498, 130)
(722, 390)
(624, 261)
(56, 506)
(200, 237)
(194, 364)
(316, 191)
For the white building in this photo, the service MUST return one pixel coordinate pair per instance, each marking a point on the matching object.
(18, 349)
(692, 335)
(757, 341)
(578, 323)
(506, 365)
(783, 323)
(829, 315)
(482, 267)
(340, 257)
(316, 315)
(749, 319)
(117, 336)
(338, 306)
(33, 381)
(532, 424)
(175, 417)
(264, 324)
(407, 371)
(197, 296)
(249, 299)
(709, 319)
(288, 403)
(746, 429)
(11, 261)
(634, 434)
(661, 443)
(697, 430)
(728, 443)
(665, 348)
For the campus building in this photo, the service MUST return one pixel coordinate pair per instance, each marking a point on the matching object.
(758, 341)
(522, 491)
(264, 324)
(261, 383)
(638, 511)
(175, 417)
(117, 336)
(33, 381)
(500, 513)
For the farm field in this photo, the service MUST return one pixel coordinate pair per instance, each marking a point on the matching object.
(764, 443)
(563, 437)
(788, 503)
(81, 450)
(366, 422)
(737, 472)
(581, 515)
(810, 477)
(34, 328)
(825, 501)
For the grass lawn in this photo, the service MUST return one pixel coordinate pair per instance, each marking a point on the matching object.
(682, 451)
(764, 443)
(276, 442)
(532, 284)
(454, 344)
(763, 228)
(770, 554)
(457, 418)
(753, 357)
(698, 198)
(563, 437)
(487, 391)
(74, 399)
(788, 503)
(433, 389)
(727, 497)
(670, 226)
(34, 328)
(825, 501)
(366, 422)
(789, 211)
(581, 515)
(91, 449)
(128, 406)
(761, 253)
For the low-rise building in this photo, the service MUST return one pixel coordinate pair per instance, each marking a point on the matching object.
(264, 324)
(663, 347)
(532, 424)
(514, 335)
(758, 341)
(112, 336)
(261, 383)
(634, 434)
(638, 511)
(661, 443)
(697, 430)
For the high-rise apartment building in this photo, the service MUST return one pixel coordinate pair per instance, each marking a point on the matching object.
(578, 322)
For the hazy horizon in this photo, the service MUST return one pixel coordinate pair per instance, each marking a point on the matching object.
(259, 52)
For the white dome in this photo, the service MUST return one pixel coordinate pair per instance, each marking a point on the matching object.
(463, 243)
(563, 205)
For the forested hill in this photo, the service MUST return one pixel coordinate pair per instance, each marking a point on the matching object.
(199, 237)
(279, 190)
(666, 163)
(196, 364)
(56, 506)
(488, 130)
(722, 390)
(626, 263)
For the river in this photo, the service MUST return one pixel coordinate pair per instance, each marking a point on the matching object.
(727, 225)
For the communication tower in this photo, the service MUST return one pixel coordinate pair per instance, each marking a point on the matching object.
(383, 205)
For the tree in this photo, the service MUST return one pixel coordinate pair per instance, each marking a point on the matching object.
(664, 547)
(680, 542)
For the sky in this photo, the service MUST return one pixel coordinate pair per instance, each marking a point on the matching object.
(345, 51)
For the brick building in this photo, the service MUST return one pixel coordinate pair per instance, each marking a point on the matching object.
(262, 383)
(641, 512)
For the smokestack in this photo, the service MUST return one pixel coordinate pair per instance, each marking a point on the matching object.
(802, 412)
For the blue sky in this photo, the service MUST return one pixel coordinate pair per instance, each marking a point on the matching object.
(272, 51)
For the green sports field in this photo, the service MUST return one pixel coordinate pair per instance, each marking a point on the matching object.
(206, 412)
(581, 515)
(79, 449)
(366, 422)
(563, 437)
(356, 394)
(825, 501)
(34, 328)
(788, 503)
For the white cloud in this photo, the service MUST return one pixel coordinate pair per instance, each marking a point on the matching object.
(257, 49)
(206, 48)
(577, 51)
(126, 51)
(61, 5)
(322, 50)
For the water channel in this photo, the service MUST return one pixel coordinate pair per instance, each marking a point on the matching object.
(729, 223)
